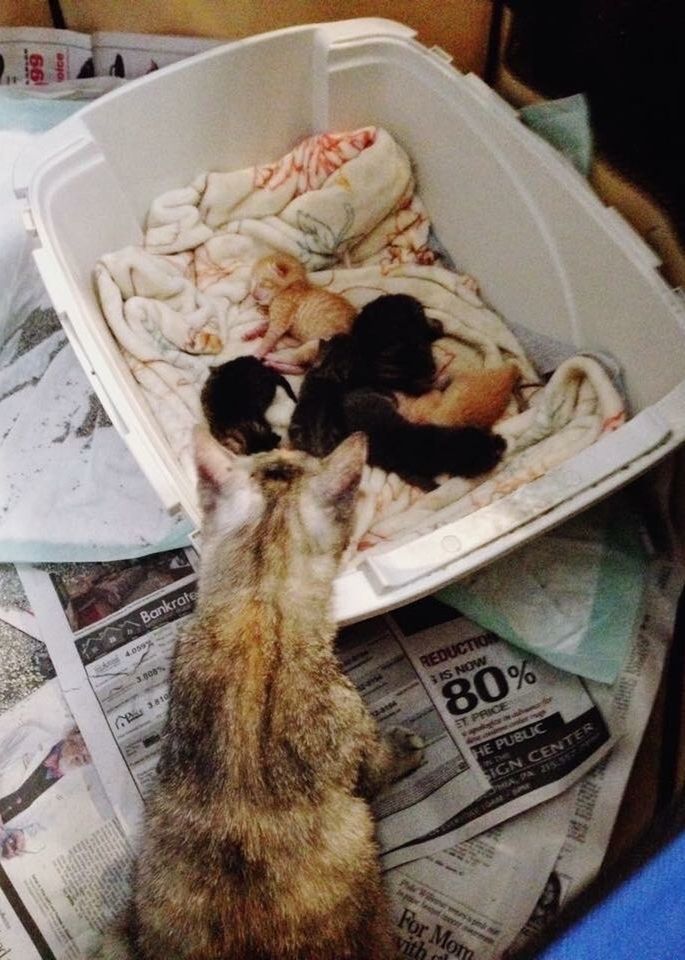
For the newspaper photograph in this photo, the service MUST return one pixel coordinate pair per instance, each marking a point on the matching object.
(533, 729)
(64, 859)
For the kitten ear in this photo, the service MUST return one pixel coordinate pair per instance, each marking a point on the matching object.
(215, 464)
(342, 470)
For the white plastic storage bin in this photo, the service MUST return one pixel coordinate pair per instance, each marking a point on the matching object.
(546, 251)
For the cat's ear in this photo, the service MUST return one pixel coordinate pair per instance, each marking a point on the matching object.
(215, 465)
(342, 470)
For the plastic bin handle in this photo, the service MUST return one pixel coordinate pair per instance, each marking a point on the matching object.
(453, 541)
(362, 28)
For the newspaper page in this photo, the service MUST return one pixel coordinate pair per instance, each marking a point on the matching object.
(534, 730)
(598, 797)
(503, 732)
(473, 899)
(449, 778)
(111, 629)
(469, 900)
(64, 859)
(37, 56)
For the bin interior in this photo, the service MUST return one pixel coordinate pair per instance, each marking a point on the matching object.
(545, 251)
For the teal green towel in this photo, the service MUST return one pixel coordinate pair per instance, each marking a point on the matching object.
(573, 597)
(566, 125)
(34, 115)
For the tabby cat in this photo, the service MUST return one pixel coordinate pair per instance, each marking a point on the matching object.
(259, 842)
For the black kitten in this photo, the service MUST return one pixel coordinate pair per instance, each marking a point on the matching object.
(318, 425)
(392, 338)
(418, 452)
(235, 398)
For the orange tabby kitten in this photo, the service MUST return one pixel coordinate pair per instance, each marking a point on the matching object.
(296, 307)
(475, 398)
(259, 843)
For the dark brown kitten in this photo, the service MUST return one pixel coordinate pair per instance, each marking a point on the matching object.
(235, 398)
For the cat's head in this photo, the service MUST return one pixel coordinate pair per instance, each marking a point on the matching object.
(274, 273)
(273, 513)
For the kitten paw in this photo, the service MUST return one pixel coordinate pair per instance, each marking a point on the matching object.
(483, 449)
(408, 749)
(282, 366)
(257, 331)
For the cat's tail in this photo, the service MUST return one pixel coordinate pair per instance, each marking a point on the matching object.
(282, 382)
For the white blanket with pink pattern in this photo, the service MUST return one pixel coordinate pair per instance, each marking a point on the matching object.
(345, 204)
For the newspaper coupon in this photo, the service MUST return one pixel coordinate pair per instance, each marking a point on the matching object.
(533, 729)
(64, 860)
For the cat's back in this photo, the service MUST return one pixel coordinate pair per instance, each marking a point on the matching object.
(256, 826)
(320, 313)
(241, 903)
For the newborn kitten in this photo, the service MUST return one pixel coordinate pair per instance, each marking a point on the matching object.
(392, 340)
(235, 398)
(296, 306)
(475, 398)
(259, 843)
(419, 452)
(318, 423)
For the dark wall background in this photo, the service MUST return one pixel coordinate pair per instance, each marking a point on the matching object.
(628, 56)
